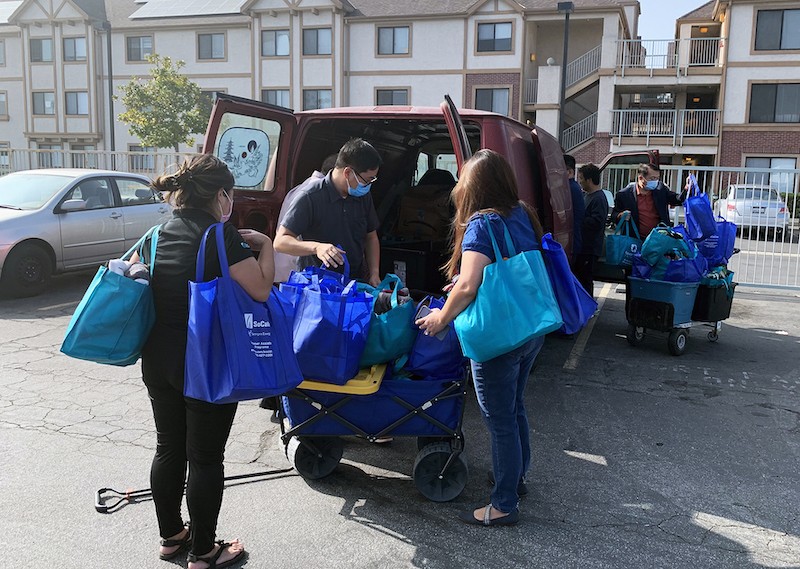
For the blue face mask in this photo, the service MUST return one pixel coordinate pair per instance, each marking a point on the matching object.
(652, 184)
(360, 189)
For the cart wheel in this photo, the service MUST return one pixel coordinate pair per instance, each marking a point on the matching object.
(713, 336)
(422, 442)
(432, 481)
(677, 342)
(314, 457)
(635, 334)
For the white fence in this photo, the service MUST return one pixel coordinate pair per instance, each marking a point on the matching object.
(148, 163)
(580, 132)
(668, 54)
(675, 124)
(769, 244)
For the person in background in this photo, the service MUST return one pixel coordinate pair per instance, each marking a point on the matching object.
(646, 200)
(192, 431)
(285, 264)
(337, 210)
(488, 185)
(593, 226)
(577, 208)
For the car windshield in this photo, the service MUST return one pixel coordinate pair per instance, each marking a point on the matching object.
(757, 194)
(29, 191)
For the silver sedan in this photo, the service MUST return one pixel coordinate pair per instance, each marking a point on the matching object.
(59, 219)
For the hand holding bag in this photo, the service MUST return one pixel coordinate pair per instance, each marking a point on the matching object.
(330, 332)
(433, 357)
(298, 280)
(662, 241)
(236, 348)
(624, 243)
(392, 333)
(576, 304)
(515, 303)
(115, 315)
(700, 223)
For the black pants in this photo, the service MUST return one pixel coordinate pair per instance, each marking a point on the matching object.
(583, 266)
(195, 432)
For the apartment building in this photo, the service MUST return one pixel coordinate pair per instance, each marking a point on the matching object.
(696, 95)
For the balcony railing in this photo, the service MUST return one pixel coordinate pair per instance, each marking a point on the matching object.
(668, 54)
(675, 124)
(584, 66)
(151, 163)
(580, 132)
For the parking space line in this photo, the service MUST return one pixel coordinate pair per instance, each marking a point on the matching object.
(583, 337)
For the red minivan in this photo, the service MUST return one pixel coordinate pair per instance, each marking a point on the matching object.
(271, 149)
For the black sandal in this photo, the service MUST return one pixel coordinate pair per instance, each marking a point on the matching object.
(212, 561)
(183, 545)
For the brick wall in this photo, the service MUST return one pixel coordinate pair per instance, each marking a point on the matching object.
(735, 143)
(495, 80)
(593, 151)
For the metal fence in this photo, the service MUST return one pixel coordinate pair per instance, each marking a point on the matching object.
(675, 124)
(148, 163)
(668, 54)
(763, 202)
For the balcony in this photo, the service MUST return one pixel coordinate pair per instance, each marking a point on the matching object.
(677, 125)
(653, 55)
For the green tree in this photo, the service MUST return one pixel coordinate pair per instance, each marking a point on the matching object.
(166, 109)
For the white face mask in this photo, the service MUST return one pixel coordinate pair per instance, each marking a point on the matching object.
(226, 216)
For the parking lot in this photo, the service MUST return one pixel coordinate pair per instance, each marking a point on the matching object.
(641, 459)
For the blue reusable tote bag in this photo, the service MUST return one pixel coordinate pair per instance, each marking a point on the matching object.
(623, 244)
(331, 281)
(576, 304)
(431, 357)
(392, 333)
(515, 303)
(115, 315)
(330, 332)
(236, 348)
(700, 222)
(718, 249)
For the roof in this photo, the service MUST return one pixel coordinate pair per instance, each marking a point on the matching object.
(95, 9)
(119, 14)
(704, 12)
(389, 8)
(179, 8)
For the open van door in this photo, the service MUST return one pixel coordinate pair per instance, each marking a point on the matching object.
(555, 189)
(254, 139)
(457, 132)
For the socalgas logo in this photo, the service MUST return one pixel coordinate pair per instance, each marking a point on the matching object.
(250, 323)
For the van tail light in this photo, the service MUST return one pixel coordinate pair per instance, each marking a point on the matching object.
(731, 207)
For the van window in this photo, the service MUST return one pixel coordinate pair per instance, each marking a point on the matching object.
(249, 145)
(440, 161)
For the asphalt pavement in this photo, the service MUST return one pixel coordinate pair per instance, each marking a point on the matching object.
(641, 459)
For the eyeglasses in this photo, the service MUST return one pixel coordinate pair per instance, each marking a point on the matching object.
(363, 181)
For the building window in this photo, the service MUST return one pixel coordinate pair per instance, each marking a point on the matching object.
(41, 49)
(77, 102)
(317, 99)
(494, 37)
(2, 52)
(494, 100)
(139, 47)
(784, 182)
(210, 46)
(279, 97)
(51, 157)
(317, 41)
(74, 49)
(392, 96)
(771, 103)
(4, 161)
(141, 161)
(393, 41)
(44, 103)
(274, 43)
(777, 29)
(3, 104)
(80, 157)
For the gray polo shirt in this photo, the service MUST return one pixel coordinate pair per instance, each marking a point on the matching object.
(320, 213)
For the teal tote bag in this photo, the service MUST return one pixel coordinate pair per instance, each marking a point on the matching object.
(515, 303)
(392, 333)
(624, 243)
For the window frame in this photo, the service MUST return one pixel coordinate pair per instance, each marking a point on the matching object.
(77, 103)
(329, 29)
(379, 27)
(130, 61)
(753, 46)
(33, 104)
(54, 159)
(2, 52)
(4, 115)
(407, 91)
(148, 158)
(750, 100)
(281, 90)
(224, 57)
(52, 50)
(508, 88)
(512, 39)
(64, 41)
(275, 31)
(317, 90)
(5, 156)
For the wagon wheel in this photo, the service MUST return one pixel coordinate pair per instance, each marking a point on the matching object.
(422, 442)
(713, 336)
(677, 341)
(314, 457)
(635, 334)
(432, 479)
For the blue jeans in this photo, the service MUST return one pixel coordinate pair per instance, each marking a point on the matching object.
(500, 388)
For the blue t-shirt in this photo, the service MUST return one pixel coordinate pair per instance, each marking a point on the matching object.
(476, 237)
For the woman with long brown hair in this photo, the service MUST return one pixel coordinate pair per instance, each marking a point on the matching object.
(487, 186)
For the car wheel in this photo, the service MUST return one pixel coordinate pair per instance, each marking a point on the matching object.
(27, 270)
